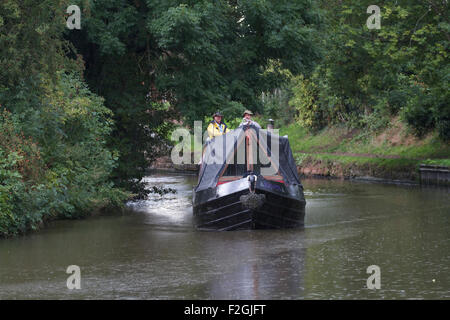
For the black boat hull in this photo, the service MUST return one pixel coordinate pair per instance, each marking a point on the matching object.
(222, 208)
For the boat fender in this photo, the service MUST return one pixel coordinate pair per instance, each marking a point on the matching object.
(252, 200)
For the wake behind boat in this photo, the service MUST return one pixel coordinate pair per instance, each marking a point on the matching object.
(248, 180)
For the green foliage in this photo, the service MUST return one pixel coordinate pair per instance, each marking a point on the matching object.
(373, 74)
(305, 100)
(9, 187)
(30, 41)
(120, 55)
(277, 106)
(437, 162)
(20, 177)
(428, 107)
(200, 56)
(75, 144)
(216, 52)
(54, 158)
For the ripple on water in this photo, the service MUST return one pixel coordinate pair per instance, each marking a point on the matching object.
(155, 253)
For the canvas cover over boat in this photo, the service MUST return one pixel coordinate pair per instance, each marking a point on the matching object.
(233, 154)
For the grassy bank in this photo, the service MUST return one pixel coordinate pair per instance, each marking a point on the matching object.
(391, 153)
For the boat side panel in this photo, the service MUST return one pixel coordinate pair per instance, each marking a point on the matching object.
(227, 213)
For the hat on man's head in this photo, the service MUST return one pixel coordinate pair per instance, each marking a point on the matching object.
(248, 112)
(218, 114)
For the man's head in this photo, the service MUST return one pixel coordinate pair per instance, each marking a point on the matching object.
(248, 115)
(218, 117)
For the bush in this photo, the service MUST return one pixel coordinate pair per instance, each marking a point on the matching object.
(427, 109)
(21, 173)
(417, 114)
(305, 95)
(277, 107)
(54, 161)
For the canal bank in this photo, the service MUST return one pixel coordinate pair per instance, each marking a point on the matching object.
(358, 167)
(332, 166)
(392, 154)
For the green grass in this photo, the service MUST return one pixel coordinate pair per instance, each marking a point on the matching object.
(301, 140)
(390, 153)
(349, 160)
(430, 147)
(340, 140)
(437, 162)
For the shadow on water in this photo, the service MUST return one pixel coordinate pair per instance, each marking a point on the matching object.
(153, 252)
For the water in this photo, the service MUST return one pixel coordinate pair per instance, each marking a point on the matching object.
(153, 252)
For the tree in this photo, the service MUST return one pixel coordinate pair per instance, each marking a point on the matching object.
(54, 161)
(216, 52)
(197, 55)
(27, 31)
(401, 68)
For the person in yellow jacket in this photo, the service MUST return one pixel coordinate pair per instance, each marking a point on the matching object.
(217, 127)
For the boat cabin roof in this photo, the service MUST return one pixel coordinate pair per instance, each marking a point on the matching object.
(243, 151)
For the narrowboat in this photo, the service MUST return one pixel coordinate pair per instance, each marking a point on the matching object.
(248, 180)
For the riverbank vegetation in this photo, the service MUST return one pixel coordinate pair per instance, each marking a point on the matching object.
(367, 77)
(85, 112)
(393, 152)
(55, 161)
(378, 102)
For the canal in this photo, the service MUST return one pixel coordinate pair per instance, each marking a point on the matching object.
(151, 250)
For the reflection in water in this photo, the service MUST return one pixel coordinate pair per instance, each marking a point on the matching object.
(153, 252)
(248, 270)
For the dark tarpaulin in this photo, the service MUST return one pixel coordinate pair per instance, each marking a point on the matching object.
(231, 147)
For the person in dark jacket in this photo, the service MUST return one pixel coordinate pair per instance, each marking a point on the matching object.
(247, 120)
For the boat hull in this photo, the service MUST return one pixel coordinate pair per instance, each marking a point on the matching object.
(222, 208)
